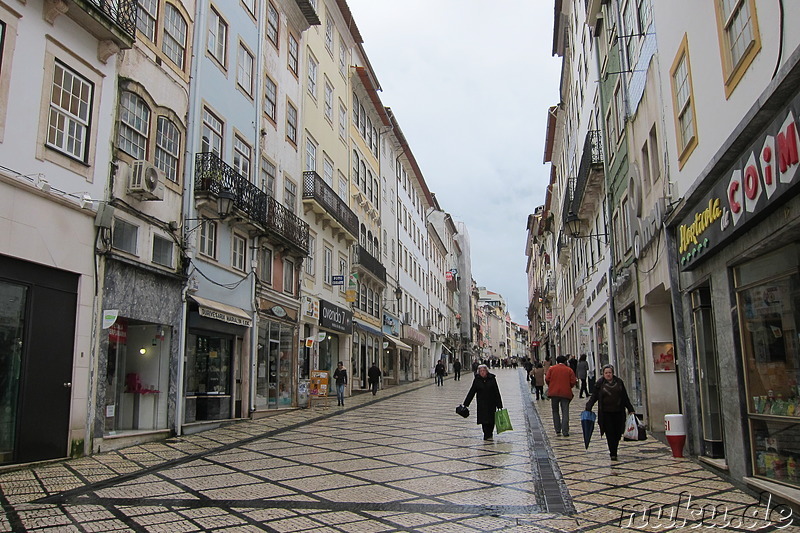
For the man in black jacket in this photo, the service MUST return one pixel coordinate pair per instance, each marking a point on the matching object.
(374, 377)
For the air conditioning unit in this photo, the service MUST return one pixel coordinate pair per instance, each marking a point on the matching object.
(146, 182)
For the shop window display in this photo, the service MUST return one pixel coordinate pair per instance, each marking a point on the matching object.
(768, 298)
(208, 377)
(12, 333)
(274, 368)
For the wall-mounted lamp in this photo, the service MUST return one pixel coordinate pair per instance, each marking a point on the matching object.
(573, 224)
(398, 294)
(225, 203)
(143, 350)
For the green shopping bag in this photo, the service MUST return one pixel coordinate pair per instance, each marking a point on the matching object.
(502, 421)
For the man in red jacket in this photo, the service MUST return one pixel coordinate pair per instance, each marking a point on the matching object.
(560, 379)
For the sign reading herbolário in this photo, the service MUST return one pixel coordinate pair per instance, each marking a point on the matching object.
(334, 317)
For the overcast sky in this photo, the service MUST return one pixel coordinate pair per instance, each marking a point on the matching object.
(470, 82)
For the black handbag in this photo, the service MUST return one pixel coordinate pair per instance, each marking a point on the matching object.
(463, 411)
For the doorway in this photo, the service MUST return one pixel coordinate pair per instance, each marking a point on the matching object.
(708, 369)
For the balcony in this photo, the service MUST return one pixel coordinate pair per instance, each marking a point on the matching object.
(107, 20)
(589, 184)
(329, 208)
(250, 205)
(365, 262)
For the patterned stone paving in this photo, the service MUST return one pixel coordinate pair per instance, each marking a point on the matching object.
(401, 461)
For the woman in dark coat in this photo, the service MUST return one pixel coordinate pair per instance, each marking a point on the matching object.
(612, 402)
(489, 400)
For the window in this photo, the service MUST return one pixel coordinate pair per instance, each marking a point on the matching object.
(626, 222)
(342, 270)
(342, 187)
(738, 28)
(645, 14)
(312, 246)
(619, 105)
(208, 238)
(342, 121)
(162, 251)
(217, 37)
(342, 57)
(134, 125)
(293, 56)
(645, 165)
(273, 22)
(146, 17)
(124, 236)
(251, 6)
(313, 67)
(328, 101)
(239, 252)
(168, 146)
(355, 110)
(385, 247)
(290, 195)
(291, 123)
(241, 157)
(244, 69)
(362, 121)
(265, 273)
(174, 35)
(327, 171)
(683, 102)
(212, 133)
(611, 128)
(271, 99)
(329, 33)
(288, 276)
(70, 109)
(311, 155)
(268, 177)
(328, 266)
(655, 170)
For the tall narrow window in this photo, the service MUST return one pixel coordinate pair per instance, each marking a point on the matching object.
(342, 121)
(244, 69)
(265, 263)
(328, 101)
(312, 248)
(739, 34)
(683, 102)
(293, 56)
(70, 111)
(175, 31)
(342, 57)
(329, 33)
(288, 276)
(134, 125)
(313, 68)
(342, 186)
(146, 17)
(327, 171)
(239, 253)
(268, 171)
(217, 37)
(291, 123)
(251, 6)
(271, 99)
(168, 146)
(311, 155)
(242, 154)
(328, 265)
(273, 22)
(212, 134)
(208, 238)
(290, 195)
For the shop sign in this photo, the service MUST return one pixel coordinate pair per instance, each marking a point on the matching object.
(311, 307)
(448, 276)
(414, 336)
(207, 312)
(334, 317)
(761, 177)
(337, 281)
(109, 317)
(278, 311)
(391, 325)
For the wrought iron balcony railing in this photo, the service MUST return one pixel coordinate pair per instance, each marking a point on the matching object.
(364, 259)
(212, 175)
(108, 20)
(120, 12)
(592, 158)
(315, 188)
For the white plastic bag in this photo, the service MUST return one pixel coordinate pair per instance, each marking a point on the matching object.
(631, 428)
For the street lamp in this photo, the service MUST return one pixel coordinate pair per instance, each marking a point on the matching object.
(573, 224)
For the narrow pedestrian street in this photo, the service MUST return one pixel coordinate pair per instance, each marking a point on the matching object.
(399, 461)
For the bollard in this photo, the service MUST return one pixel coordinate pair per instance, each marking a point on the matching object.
(676, 433)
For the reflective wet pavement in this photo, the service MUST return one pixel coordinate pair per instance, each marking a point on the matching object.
(399, 461)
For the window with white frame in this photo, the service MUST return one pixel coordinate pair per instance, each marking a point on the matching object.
(342, 270)
(168, 147)
(175, 31)
(239, 253)
(327, 171)
(134, 125)
(268, 173)
(328, 265)
(70, 112)
(329, 32)
(124, 236)
(271, 99)
(311, 154)
(342, 186)
(293, 57)
(273, 23)
(251, 6)
(312, 250)
(265, 264)
(244, 69)
(288, 276)
(291, 123)
(162, 251)
(683, 103)
(328, 101)
(212, 133)
(342, 57)
(208, 238)
(242, 154)
(146, 17)
(313, 69)
(290, 195)
(342, 121)
(355, 110)
(217, 37)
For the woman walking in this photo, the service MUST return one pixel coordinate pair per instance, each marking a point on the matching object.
(489, 400)
(537, 381)
(612, 402)
(582, 373)
(340, 376)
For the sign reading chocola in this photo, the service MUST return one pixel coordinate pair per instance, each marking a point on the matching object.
(761, 177)
(335, 317)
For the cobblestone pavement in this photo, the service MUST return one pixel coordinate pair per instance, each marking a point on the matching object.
(398, 461)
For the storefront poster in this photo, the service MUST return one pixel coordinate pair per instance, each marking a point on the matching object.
(663, 357)
(318, 384)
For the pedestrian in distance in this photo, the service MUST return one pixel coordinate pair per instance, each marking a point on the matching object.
(374, 377)
(439, 370)
(612, 402)
(528, 367)
(537, 381)
(456, 370)
(573, 363)
(340, 378)
(582, 373)
(475, 365)
(546, 366)
(485, 387)
(560, 379)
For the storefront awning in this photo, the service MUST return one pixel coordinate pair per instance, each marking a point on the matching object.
(400, 344)
(368, 328)
(224, 312)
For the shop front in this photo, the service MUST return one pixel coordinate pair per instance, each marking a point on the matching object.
(410, 361)
(276, 368)
(335, 326)
(367, 347)
(393, 346)
(216, 375)
(738, 256)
